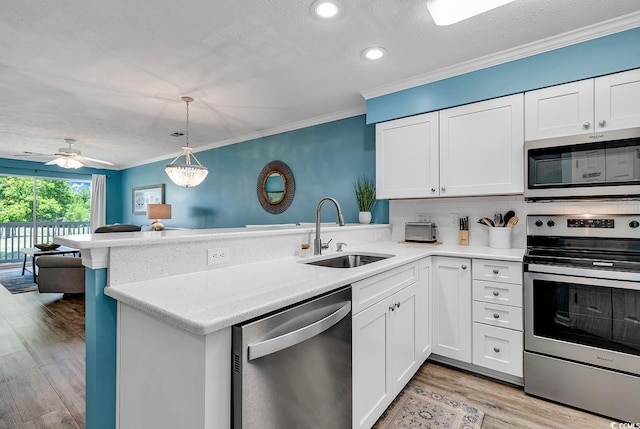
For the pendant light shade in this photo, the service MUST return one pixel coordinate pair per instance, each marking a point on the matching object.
(188, 174)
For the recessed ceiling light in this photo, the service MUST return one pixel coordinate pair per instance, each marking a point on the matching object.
(374, 53)
(446, 12)
(325, 8)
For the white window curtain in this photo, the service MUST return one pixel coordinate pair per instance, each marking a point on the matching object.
(98, 201)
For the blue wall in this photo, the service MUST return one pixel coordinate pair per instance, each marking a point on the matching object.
(38, 169)
(605, 55)
(325, 160)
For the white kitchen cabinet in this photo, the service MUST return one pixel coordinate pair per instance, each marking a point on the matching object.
(498, 349)
(384, 354)
(451, 307)
(482, 147)
(423, 316)
(497, 316)
(391, 336)
(583, 107)
(476, 149)
(407, 157)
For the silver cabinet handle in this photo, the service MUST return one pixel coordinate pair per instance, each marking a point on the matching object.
(464, 267)
(397, 305)
(292, 338)
(496, 349)
(496, 271)
(586, 125)
(496, 293)
(602, 123)
(392, 308)
(496, 316)
(443, 189)
(433, 189)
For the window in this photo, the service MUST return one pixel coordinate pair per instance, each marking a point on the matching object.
(33, 210)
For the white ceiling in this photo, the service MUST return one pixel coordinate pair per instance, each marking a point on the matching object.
(110, 74)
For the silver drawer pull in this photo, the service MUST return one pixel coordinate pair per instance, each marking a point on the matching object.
(496, 349)
(496, 271)
(496, 316)
(464, 267)
(496, 293)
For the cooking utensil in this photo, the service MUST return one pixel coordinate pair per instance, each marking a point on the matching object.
(508, 215)
(512, 222)
(487, 221)
(498, 219)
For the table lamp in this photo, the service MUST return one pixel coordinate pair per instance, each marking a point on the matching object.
(157, 212)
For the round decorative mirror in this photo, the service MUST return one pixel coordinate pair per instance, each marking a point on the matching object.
(276, 187)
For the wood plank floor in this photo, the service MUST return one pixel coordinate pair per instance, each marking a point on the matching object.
(42, 363)
(505, 405)
(42, 368)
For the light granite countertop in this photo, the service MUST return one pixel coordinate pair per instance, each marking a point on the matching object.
(206, 301)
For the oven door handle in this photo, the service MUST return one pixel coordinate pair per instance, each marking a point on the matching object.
(601, 275)
(574, 279)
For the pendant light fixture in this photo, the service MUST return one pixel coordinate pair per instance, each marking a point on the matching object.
(187, 174)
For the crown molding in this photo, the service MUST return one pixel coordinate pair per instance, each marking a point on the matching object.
(605, 28)
(342, 114)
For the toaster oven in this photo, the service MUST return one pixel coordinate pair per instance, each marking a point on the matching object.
(421, 232)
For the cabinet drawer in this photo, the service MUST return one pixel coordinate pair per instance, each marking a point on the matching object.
(498, 349)
(367, 292)
(497, 293)
(503, 316)
(497, 271)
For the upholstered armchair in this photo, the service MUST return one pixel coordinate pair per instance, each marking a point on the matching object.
(60, 274)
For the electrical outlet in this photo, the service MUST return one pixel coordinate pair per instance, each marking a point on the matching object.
(454, 218)
(219, 255)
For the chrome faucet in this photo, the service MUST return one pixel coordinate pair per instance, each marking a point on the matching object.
(317, 243)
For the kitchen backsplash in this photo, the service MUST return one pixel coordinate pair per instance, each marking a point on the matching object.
(446, 211)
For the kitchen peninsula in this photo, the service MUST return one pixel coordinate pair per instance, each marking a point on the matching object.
(174, 312)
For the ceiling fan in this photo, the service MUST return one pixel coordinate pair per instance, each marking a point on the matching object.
(68, 157)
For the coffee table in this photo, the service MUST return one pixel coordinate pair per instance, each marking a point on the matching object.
(34, 252)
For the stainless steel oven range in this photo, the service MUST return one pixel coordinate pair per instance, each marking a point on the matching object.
(582, 312)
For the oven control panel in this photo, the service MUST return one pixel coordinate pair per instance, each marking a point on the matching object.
(571, 225)
(590, 223)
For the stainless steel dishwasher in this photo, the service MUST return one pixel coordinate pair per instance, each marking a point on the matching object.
(292, 369)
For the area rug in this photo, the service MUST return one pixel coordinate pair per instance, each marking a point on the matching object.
(13, 280)
(418, 408)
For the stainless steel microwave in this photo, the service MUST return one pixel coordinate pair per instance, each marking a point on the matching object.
(602, 165)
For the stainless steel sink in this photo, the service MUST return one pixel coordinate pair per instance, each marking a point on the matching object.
(349, 260)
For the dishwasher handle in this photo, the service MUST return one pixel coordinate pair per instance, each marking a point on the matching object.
(289, 339)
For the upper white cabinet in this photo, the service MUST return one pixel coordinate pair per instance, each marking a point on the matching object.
(476, 149)
(482, 148)
(407, 157)
(583, 107)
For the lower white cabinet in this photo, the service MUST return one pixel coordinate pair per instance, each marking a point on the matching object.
(497, 316)
(451, 307)
(498, 349)
(391, 339)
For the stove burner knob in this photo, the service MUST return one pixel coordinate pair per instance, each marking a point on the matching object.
(634, 224)
(550, 223)
(538, 223)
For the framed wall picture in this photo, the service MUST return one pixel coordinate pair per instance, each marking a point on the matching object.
(143, 195)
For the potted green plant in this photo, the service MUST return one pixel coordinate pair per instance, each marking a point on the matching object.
(365, 190)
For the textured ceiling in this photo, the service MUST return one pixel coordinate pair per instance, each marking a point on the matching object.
(110, 74)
